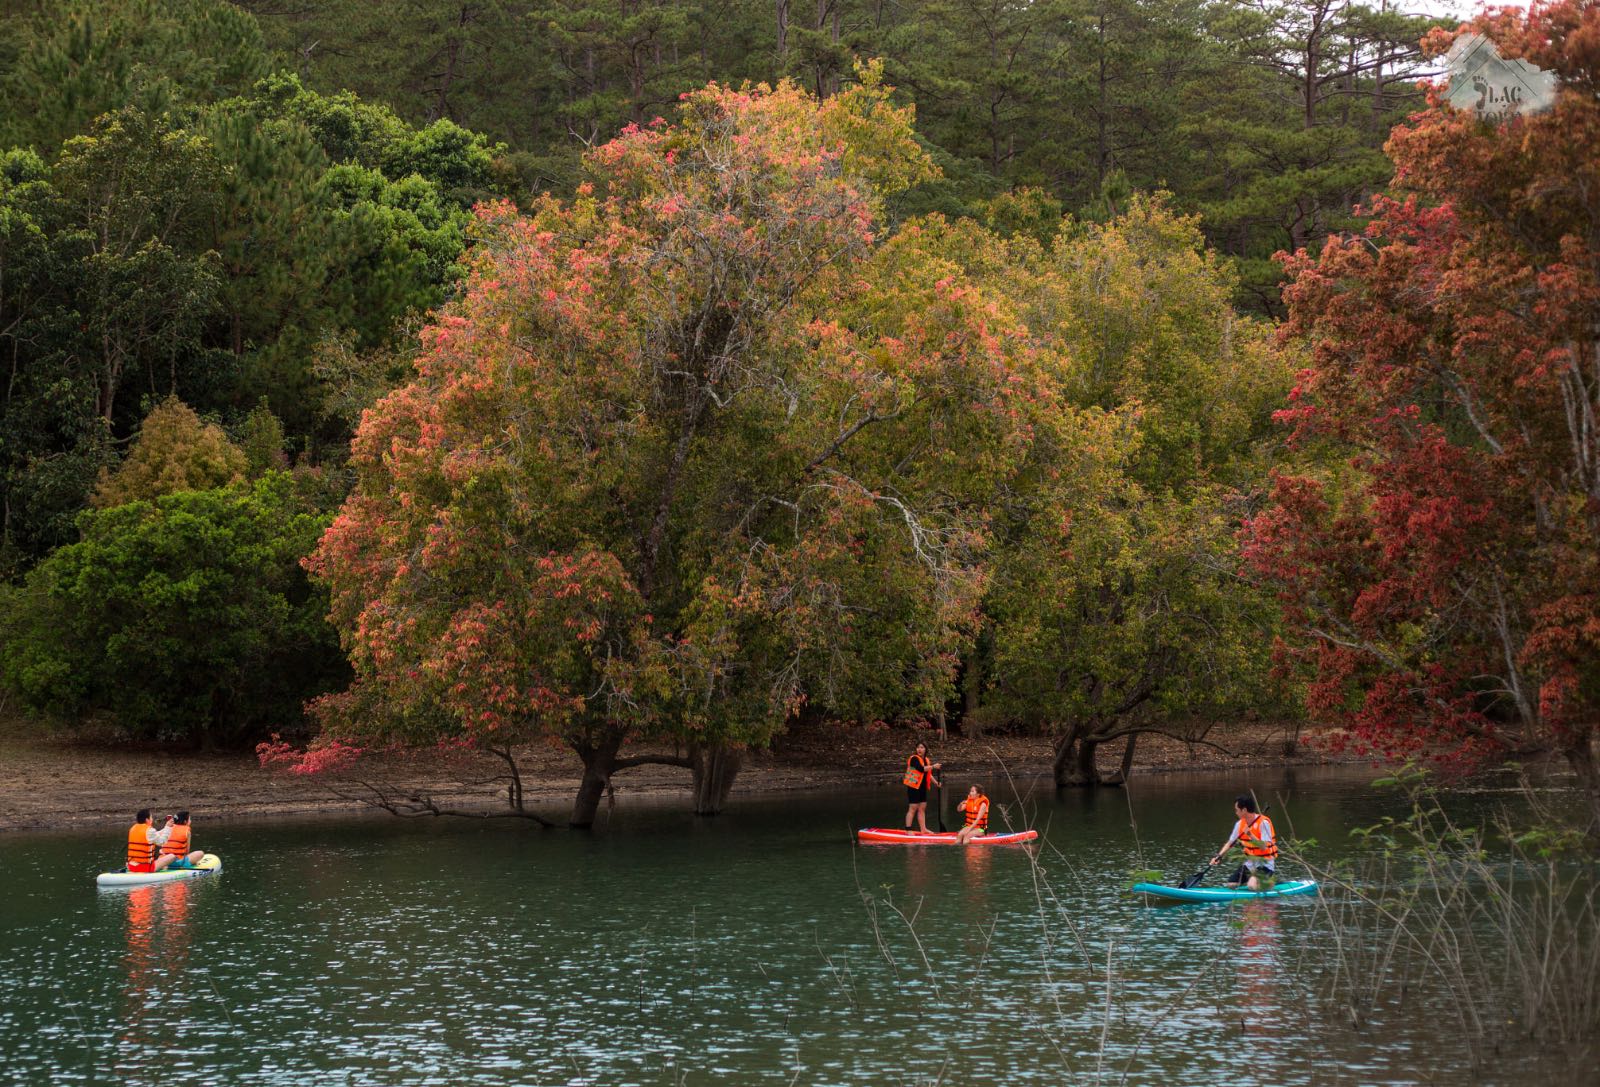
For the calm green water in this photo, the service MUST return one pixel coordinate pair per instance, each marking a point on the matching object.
(759, 947)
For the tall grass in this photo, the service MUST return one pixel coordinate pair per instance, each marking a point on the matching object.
(1496, 926)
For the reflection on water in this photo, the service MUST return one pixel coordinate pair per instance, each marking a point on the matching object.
(158, 946)
(760, 947)
(1259, 971)
(139, 964)
(151, 1034)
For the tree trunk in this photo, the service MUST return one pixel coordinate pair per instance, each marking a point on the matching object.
(1580, 756)
(1377, 78)
(971, 689)
(1087, 774)
(508, 755)
(1074, 760)
(599, 762)
(714, 767)
(1102, 135)
(1127, 759)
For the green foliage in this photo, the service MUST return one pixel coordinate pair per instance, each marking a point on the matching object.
(175, 451)
(1029, 211)
(1287, 155)
(351, 380)
(339, 217)
(1113, 605)
(484, 64)
(261, 440)
(186, 617)
(1267, 118)
(458, 163)
(1144, 309)
(139, 194)
(51, 448)
(78, 59)
(403, 221)
(196, 229)
(612, 51)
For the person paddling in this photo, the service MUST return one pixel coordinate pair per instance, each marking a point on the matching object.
(976, 808)
(919, 774)
(175, 852)
(145, 840)
(1254, 832)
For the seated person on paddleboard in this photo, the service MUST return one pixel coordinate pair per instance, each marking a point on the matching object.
(175, 851)
(976, 809)
(145, 842)
(919, 774)
(1254, 833)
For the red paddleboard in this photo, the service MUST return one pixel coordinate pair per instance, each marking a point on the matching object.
(891, 836)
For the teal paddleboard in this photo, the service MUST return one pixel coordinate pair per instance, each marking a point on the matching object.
(1226, 894)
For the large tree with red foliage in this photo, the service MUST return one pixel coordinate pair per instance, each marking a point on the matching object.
(1444, 577)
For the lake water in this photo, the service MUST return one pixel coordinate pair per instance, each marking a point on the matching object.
(760, 947)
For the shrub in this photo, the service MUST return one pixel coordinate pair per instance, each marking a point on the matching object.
(176, 451)
(183, 617)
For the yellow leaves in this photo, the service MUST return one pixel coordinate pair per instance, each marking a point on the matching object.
(875, 135)
(175, 451)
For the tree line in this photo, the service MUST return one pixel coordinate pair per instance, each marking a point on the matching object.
(597, 403)
(1265, 117)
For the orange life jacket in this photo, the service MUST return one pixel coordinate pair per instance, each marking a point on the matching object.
(177, 840)
(977, 811)
(914, 773)
(140, 851)
(1250, 837)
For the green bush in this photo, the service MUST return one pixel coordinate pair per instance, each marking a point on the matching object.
(183, 617)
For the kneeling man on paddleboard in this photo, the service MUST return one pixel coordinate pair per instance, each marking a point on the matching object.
(1254, 832)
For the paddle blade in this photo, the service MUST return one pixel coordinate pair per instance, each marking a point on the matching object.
(1194, 880)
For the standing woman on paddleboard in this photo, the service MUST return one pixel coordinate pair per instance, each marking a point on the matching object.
(919, 775)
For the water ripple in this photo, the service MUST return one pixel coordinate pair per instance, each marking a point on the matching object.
(765, 948)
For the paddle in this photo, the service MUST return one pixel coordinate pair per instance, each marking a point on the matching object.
(1194, 880)
(938, 802)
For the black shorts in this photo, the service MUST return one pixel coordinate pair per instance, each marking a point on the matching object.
(916, 796)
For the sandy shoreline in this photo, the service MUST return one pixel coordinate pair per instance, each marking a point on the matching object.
(49, 783)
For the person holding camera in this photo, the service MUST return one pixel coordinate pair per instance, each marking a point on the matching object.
(175, 851)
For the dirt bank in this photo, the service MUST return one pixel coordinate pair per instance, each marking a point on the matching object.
(48, 782)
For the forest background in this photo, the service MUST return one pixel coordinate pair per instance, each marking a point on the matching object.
(223, 226)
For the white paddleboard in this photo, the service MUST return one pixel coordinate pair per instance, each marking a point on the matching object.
(209, 865)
